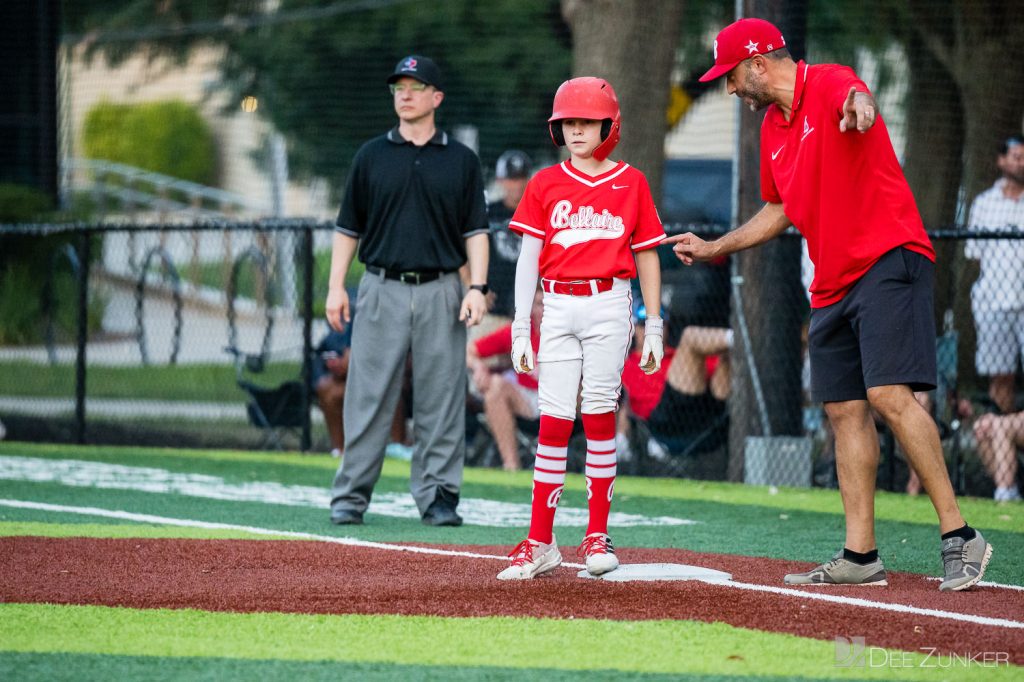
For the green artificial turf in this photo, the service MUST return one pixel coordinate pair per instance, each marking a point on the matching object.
(798, 524)
(539, 647)
(58, 667)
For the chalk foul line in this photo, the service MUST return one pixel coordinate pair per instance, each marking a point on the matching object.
(354, 542)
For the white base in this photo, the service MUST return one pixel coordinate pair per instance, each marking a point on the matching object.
(629, 572)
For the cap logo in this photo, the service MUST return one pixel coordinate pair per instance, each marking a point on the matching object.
(409, 65)
(751, 47)
(769, 48)
(716, 49)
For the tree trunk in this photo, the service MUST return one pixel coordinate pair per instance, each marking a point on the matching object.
(934, 163)
(770, 294)
(975, 51)
(631, 44)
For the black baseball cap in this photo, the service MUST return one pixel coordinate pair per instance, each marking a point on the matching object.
(513, 164)
(421, 68)
(1009, 144)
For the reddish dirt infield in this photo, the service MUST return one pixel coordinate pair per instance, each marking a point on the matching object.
(314, 577)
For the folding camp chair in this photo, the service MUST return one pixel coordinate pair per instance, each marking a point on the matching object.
(276, 410)
(700, 457)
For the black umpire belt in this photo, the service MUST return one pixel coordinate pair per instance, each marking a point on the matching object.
(409, 277)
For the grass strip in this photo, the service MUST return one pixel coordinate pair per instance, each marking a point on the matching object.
(667, 647)
(58, 667)
(199, 383)
(982, 513)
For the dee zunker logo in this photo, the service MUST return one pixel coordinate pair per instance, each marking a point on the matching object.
(853, 652)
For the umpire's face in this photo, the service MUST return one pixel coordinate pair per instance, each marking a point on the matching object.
(415, 100)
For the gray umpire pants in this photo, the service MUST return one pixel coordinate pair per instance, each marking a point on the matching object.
(391, 319)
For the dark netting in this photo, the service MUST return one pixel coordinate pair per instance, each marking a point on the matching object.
(199, 151)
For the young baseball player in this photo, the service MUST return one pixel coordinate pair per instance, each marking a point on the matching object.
(583, 221)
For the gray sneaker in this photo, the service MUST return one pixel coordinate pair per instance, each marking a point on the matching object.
(840, 571)
(964, 562)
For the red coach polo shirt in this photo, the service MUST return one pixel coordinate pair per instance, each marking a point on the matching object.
(845, 192)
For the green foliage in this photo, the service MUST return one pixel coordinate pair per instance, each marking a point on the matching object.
(20, 203)
(168, 137)
(22, 319)
(19, 307)
(25, 264)
(322, 82)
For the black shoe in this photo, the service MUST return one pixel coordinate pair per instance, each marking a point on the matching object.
(346, 517)
(441, 511)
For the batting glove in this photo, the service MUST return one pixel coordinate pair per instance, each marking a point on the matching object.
(522, 349)
(654, 345)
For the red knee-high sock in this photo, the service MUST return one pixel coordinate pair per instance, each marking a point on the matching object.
(548, 475)
(600, 430)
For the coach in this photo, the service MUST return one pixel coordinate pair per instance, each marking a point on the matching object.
(414, 206)
(828, 167)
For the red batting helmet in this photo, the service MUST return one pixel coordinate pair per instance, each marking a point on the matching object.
(592, 99)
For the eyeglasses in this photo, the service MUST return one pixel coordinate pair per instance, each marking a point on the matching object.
(403, 87)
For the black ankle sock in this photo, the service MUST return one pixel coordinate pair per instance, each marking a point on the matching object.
(967, 533)
(862, 558)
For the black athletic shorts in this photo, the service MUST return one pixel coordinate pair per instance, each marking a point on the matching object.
(881, 333)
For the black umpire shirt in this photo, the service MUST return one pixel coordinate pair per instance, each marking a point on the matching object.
(411, 207)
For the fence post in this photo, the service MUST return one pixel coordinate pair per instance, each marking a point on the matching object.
(83, 335)
(307, 324)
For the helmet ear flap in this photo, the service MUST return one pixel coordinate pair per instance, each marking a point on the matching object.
(556, 133)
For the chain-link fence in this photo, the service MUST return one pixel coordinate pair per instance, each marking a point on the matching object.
(242, 110)
(199, 335)
(181, 335)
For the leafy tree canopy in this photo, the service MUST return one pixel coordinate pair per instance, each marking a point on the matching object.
(319, 76)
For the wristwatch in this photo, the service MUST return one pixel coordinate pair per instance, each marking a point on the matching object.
(482, 288)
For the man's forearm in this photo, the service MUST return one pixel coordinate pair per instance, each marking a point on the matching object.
(477, 253)
(766, 224)
(343, 249)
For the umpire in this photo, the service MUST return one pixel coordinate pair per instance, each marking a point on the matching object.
(414, 206)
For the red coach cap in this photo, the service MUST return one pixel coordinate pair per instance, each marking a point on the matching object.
(741, 40)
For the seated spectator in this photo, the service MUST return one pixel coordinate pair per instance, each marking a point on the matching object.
(683, 403)
(506, 395)
(330, 373)
(999, 436)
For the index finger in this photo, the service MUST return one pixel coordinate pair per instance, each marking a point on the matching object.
(849, 97)
(675, 239)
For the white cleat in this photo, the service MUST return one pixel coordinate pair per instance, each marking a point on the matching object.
(532, 559)
(600, 554)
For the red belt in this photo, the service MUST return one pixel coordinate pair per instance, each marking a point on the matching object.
(586, 287)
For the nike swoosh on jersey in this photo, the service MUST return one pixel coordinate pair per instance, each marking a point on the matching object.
(777, 152)
(614, 186)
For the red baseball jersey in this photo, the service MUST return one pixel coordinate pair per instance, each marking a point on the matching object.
(845, 192)
(591, 225)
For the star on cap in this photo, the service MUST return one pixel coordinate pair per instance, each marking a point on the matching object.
(751, 47)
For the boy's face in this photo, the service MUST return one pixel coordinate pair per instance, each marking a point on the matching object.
(582, 136)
